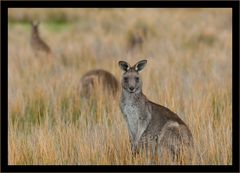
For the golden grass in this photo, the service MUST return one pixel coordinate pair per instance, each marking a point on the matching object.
(189, 71)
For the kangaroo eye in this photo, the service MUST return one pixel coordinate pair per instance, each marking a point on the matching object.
(125, 79)
(137, 79)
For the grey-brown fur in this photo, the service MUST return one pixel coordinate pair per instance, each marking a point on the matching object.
(150, 125)
(91, 80)
(135, 40)
(38, 45)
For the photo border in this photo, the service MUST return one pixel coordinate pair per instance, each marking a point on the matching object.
(117, 4)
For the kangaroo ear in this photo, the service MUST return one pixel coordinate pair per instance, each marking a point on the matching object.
(140, 65)
(124, 65)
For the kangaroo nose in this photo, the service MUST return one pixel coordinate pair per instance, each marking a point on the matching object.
(131, 88)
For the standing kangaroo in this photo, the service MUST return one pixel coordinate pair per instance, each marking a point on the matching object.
(150, 126)
(38, 45)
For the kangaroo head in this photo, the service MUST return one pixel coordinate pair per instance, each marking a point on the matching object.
(131, 80)
(35, 24)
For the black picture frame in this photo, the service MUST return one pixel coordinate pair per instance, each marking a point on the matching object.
(234, 5)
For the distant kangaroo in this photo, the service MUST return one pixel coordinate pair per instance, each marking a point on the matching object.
(38, 45)
(150, 126)
(135, 40)
(91, 81)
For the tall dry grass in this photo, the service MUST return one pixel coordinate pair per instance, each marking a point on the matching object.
(189, 71)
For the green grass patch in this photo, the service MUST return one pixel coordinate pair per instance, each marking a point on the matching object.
(59, 26)
(56, 26)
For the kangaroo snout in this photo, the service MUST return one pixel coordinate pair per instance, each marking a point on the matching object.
(131, 88)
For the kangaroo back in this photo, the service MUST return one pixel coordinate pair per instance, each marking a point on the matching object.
(98, 79)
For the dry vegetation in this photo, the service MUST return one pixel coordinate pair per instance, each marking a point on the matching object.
(189, 71)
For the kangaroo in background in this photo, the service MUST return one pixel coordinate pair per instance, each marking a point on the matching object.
(38, 45)
(91, 81)
(135, 40)
(150, 126)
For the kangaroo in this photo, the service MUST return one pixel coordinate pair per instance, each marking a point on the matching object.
(38, 45)
(92, 79)
(150, 126)
(135, 40)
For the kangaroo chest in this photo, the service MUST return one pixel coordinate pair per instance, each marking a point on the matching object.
(132, 115)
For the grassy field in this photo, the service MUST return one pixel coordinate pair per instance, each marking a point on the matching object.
(189, 71)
